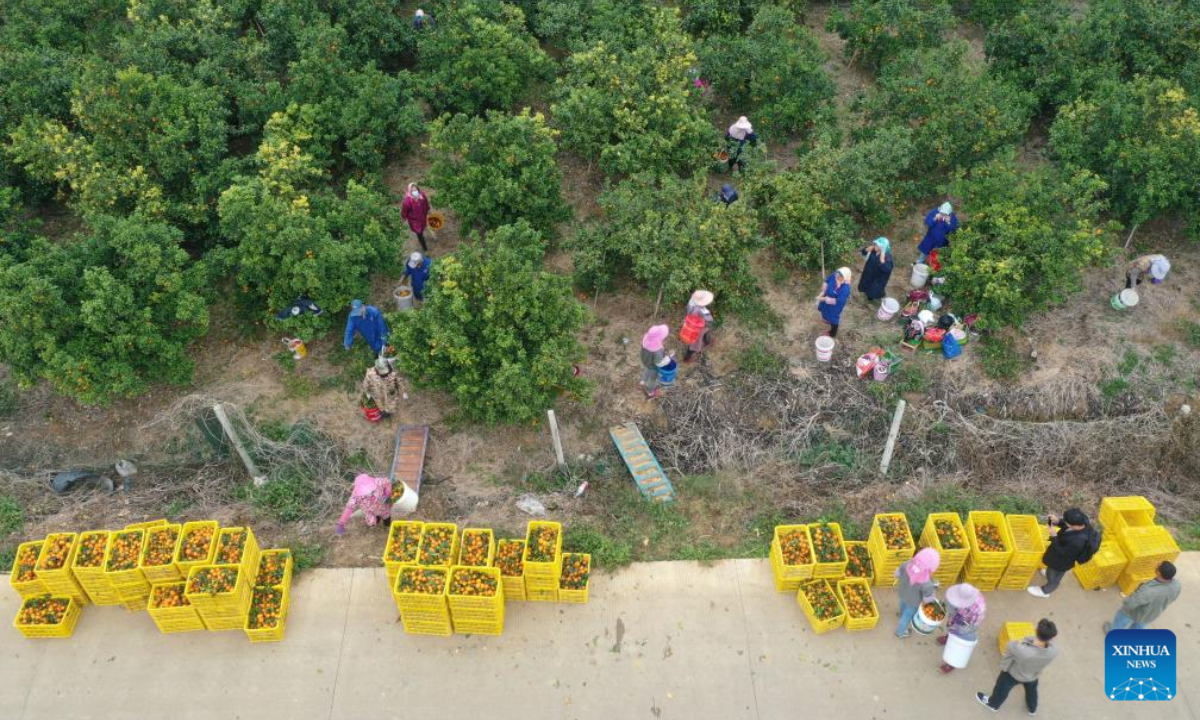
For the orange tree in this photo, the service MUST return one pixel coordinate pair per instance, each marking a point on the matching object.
(496, 331)
(876, 31)
(496, 170)
(704, 18)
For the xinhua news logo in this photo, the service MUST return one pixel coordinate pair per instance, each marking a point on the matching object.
(1139, 665)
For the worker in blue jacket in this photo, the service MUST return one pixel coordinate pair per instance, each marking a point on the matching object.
(367, 321)
(834, 294)
(941, 221)
(417, 268)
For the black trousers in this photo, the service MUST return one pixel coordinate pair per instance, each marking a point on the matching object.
(421, 239)
(833, 330)
(1004, 685)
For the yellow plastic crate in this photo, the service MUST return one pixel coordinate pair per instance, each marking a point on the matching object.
(1129, 581)
(175, 618)
(478, 605)
(1104, 567)
(1016, 579)
(211, 603)
(952, 559)
(865, 622)
(479, 627)
(269, 632)
(224, 622)
(408, 600)
(247, 558)
(116, 568)
(421, 627)
(185, 565)
(488, 543)
(146, 525)
(542, 568)
(63, 628)
(54, 566)
(1014, 631)
(288, 563)
(571, 594)
(532, 595)
(853, 548)
(429, 555)
(1027, 545)
(1117, 512)
(820, 626)
(789, 576)
(979, 557)
(24, 577)
(834, 569)
(88, 567)
(876, 538)
(157, 570)
(1146, 547)
(514, 584)
(404, 541)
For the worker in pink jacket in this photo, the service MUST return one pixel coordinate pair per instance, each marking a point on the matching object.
(372, 496)
(415, 209)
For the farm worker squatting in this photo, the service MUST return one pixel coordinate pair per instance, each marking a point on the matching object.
(415, 209)
(964, 616)
(366, 320)
(1156, 266)
(654, 357)
(834, 294)
(877, 270)
(372, 496)
(696, 324)
(941, 222)
(916, 586)
(384, 385)
(417, 270)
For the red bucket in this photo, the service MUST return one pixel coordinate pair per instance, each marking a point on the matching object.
(372, 414)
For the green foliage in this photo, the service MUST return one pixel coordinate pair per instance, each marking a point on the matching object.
(12, 517)
(832, 195)
(1191, 333)
(1143, 138)
(1032, 49)
(10, 402)
(496, 331)
(959, 116)
(479, 58)
(999, 358)
(774, 72)
(104, 315)
(671, 236)
(991, 12)
(704, 18)
(306, 556)
(755, 357)
(288, 237)
(876, 31)
(498, 170)
(1028, 238)
(607, 552)
(633, 107)
(289, 495)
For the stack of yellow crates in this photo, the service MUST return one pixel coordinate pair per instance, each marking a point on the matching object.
(221, 594)
(1014, 631)
(476, 600)
(791, 557)
(54, 566)
(1103, 569)
(24, 577)
(1144, 549)
(158, 556)
(1027, 550)
(1117, 513)
(511, 562)
(991, 548)
(122, 571)
(943, 530)
(420, 594)
(576, 577)
(171, 610)
(88, 567)
(543, 560)
(404, 541)
(270, 601)
(891, 545)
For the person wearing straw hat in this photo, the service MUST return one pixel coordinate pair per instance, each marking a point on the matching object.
(384, 385)
(964, 616)
(741, 132)
(1156, 266)
(415, 210)
(696, 324)
(654, 356)
(417, 270)
(834, 294)
(916, 586)
(940, 223)
(371, 497)
(877, 270)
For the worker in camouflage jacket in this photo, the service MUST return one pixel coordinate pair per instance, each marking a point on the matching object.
(385, 386)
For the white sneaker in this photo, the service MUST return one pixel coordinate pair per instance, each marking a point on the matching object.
(1037, 592)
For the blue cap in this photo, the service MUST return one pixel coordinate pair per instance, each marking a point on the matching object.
(356, 307)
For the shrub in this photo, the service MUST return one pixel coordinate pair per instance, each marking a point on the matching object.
(775, 71)
(634, 108)
(1032, 49)
(1029, 236)
(479, 58)
(876, 31)
(959, 116)
(1143, 138)
(498, 170)
(102, 316)
(672, 237)
(704, 18)
(497, 332)
(992, 12)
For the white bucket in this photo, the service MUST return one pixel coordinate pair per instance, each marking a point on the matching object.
(926, 317)
(824, 345)
(958, 651)
(888, 309)
(935, 302)
(880, 371)
(1125, 299)
(920, 274)
(404, 298)
(925, 625)
(407, 502)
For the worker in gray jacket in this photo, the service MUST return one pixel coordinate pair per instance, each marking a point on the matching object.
(1146, 603)
(1021, 664)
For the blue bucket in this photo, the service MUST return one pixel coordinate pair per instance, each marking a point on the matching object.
(666, 373)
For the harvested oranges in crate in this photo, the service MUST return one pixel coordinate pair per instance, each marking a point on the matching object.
(858, 561)
(231, 546)
(476, 600)
(467, 581)
(92, 548)
(576, 575)
(861, 612)
(829, 550)
(896, 535)
(56, 550)
(543, 544)
(949, 535)
(266, 609)
(438, 544)
(509, 559)
(422, 581)
(990, 539)
(796, 548)
(404, 543)
(821, 605)
(274, 567)
(125, 550)
(477, 548)
(47, 617)
(158, 556)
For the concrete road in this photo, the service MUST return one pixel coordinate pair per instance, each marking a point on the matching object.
(658, 641)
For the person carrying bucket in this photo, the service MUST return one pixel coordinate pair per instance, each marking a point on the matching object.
(834, 294)
(736, 137)
(654, 356)
(696, 323)
(372, 497)
(940, 223)
(877, 269)
(384, 385)
(1156, 266)
(965, 611)
(417, 270)
(916, 586)
(415, 210)
(366, 320)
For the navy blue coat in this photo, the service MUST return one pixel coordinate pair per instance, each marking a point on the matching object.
(419, 275)
(875, 275)
(938, 234)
